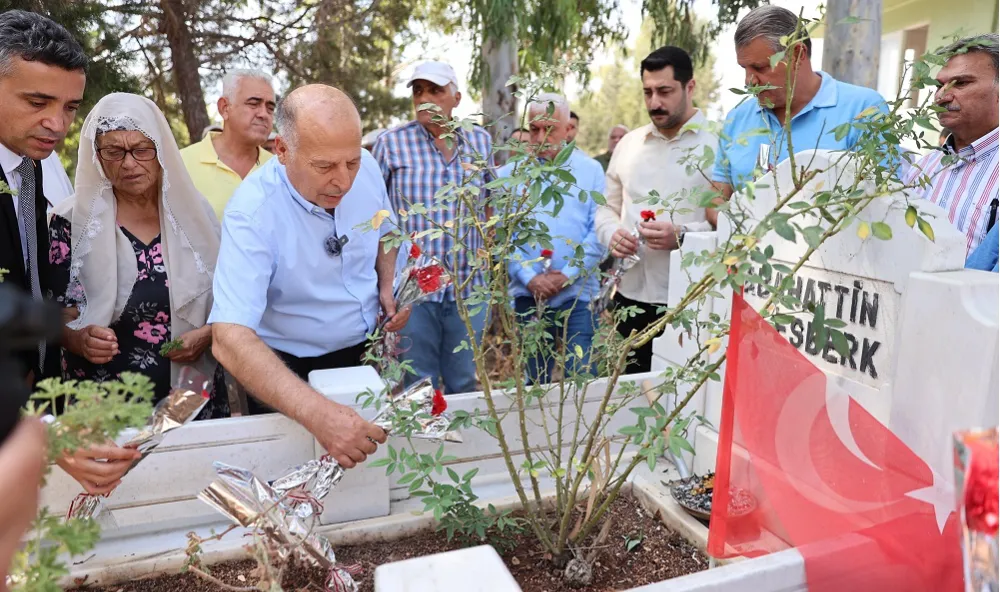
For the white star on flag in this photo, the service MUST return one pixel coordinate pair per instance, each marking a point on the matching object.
(940, 495)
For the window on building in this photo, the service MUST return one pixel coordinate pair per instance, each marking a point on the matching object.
(914, 46)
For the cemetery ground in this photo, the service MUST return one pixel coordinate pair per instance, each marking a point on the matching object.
(638, 550)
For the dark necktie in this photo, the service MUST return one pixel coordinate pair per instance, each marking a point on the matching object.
(26, 209)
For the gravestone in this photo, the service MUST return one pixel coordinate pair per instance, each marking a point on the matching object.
(476, 569)
(922, 330)
(160, 494)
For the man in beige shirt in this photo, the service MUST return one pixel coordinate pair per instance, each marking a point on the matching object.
(654, 158)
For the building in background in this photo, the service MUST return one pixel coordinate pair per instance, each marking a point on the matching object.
(910, 28)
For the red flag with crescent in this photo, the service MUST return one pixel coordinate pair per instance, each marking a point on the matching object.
(802, 464)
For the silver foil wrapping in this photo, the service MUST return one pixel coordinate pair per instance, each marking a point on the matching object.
(287, 509)
(609, 288)
(409, 290)
(285, 516)
(183, 404)
(416, 404)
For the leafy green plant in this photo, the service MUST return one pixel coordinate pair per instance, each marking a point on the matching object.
(633, 540)
(93, 414)
(572, 450)
(171, 346)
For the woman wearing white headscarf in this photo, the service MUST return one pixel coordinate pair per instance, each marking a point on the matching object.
(134, 252)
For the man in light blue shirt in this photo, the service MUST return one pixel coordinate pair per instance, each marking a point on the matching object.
(819, 103)
(566, 289)
(298, 285)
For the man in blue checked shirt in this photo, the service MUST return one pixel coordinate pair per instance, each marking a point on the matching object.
(416, 162)
(565, 291)
(299, 283)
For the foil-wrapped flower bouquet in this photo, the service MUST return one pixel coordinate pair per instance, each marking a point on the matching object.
(977, 456)
(609, 288)
(286, 510)
(421, 278)
(182, 405)
(546, 264)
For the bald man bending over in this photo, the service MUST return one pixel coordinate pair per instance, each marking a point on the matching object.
(297, 286)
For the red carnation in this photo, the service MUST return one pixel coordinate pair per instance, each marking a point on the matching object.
(428, 278)
(547, 253)
(981, 511)
(648, 215)
(414, 251)
(438, 404)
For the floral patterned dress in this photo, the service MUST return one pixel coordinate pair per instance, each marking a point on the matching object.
(144, 325)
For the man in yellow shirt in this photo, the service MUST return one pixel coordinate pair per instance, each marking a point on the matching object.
(220, 162)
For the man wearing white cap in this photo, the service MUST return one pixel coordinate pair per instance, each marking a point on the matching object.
(417, 162)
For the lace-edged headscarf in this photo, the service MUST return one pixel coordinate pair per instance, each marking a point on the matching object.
(103, 268)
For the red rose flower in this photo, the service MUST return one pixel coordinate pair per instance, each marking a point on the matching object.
(648, 215)
(438, 404)
(414, 251)
(547, 253)
(981, 498)
(428, 278)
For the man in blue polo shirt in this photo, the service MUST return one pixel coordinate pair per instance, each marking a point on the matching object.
(298, 285)
(565, 288)
(819, 103)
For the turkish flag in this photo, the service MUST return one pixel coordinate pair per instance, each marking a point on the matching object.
(802, 464)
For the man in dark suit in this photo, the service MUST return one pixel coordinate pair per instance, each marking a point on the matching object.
(42, 77)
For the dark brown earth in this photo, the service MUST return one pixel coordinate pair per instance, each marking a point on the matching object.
(661, 555)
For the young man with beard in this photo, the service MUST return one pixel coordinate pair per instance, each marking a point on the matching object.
(652, 158)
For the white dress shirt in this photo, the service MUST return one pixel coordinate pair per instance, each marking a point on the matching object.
(645, 160)
(56, 185)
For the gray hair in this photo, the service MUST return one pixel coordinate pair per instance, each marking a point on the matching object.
(34, 38)
(986, 43)
(772, 23)
(231, 81)
(559, 104)
(284, 120)
(620, 126)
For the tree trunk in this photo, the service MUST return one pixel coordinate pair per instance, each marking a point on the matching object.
(185, 66)
(499, 102)
(851, 51)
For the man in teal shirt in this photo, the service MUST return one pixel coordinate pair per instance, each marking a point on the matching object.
(819, 103)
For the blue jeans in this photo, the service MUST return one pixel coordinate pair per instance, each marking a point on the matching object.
(429, 341)
(579, 330)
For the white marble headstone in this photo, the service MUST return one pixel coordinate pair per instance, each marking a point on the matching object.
(859, 281)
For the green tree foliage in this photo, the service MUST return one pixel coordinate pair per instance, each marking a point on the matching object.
(356, 48)
(618, 98)
(675, 23)
(545, 30)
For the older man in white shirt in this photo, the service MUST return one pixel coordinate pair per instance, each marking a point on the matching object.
(652, 158)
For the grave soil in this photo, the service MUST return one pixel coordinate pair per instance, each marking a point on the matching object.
(662, 555)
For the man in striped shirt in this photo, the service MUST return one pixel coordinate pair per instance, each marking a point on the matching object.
(416, 163)
(962, 178)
